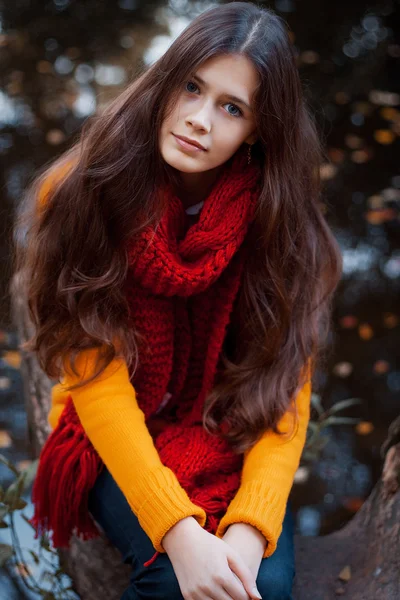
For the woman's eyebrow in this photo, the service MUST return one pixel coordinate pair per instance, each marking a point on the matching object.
(234, 98)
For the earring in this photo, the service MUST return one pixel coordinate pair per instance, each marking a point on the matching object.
(249, 154)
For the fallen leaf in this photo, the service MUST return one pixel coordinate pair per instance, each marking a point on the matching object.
(376, 217)
(342, 98)
(73, 52)
(4, 40)
(353, 504)
(309, 57)
(14, 88)
(343, 369)
(5, 439)
(383, 97)
(5, 383)
(391, 194)
(44, 66)
(12, 359)
(361, 156)
(390, 114)
(348, 322)
(55, 137)
(336, 155)
(395, 127)
(365, 331)
(339, 591)
(384, 136)
(345, 574)
(365, 108)
(381, 366)
(353, 141)
(327, 171)
(23, 464)
(364, 428)
(376, 202)
(390, 320)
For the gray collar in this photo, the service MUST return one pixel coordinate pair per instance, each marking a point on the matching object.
(195, 209)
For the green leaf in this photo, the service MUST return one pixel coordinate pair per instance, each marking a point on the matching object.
(8, 464)
(44, 543)
(344, 404)
(20, 504)
(35, 557)
(12, 497)
(26, 519)
(20, 483)
(48, 577)
(6, 553)
(316, 403)
(30, 473)
(313, 426)
(341, 421)
(309, 455)
(314, 446)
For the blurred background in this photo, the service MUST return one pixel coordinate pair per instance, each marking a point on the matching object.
(62, 60)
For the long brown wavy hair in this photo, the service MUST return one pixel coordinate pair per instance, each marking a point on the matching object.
(101, 192)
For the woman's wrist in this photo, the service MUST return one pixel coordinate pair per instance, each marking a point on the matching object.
(250, 533)
(181, 528)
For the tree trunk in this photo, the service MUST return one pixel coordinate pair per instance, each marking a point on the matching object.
(369, 546)
(361, 561)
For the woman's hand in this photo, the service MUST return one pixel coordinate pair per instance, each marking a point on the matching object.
(207, 567)
(249, 543)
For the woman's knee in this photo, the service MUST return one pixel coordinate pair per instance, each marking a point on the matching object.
(275, 583)
(165, 589)
(157, 583)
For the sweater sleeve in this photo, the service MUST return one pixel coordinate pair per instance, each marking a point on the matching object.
(115, 424)
(267, 476)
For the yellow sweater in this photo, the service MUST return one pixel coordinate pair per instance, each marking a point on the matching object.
(115, 425)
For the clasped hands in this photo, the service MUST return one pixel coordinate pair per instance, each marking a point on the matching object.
(248, 542)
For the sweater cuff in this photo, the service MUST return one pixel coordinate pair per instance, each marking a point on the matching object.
(259, 506)
(167, 503)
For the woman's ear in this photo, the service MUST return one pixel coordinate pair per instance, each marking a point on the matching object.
(251, 139)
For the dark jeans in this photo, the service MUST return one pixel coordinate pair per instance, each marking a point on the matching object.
(158, 581)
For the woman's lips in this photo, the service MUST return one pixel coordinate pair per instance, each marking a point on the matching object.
(187, 146)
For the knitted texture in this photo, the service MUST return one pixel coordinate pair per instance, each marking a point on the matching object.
(181, 287)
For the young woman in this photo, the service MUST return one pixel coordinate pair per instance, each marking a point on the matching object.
(180, 276)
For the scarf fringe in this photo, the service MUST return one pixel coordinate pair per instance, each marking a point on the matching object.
(152, 559)
(68, 469)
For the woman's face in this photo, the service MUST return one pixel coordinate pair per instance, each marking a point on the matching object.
(206, 113)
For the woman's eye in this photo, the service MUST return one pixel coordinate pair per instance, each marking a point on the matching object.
(239, 112)
(191, 82)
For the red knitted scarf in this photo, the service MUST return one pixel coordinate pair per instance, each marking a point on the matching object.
(181, 288)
